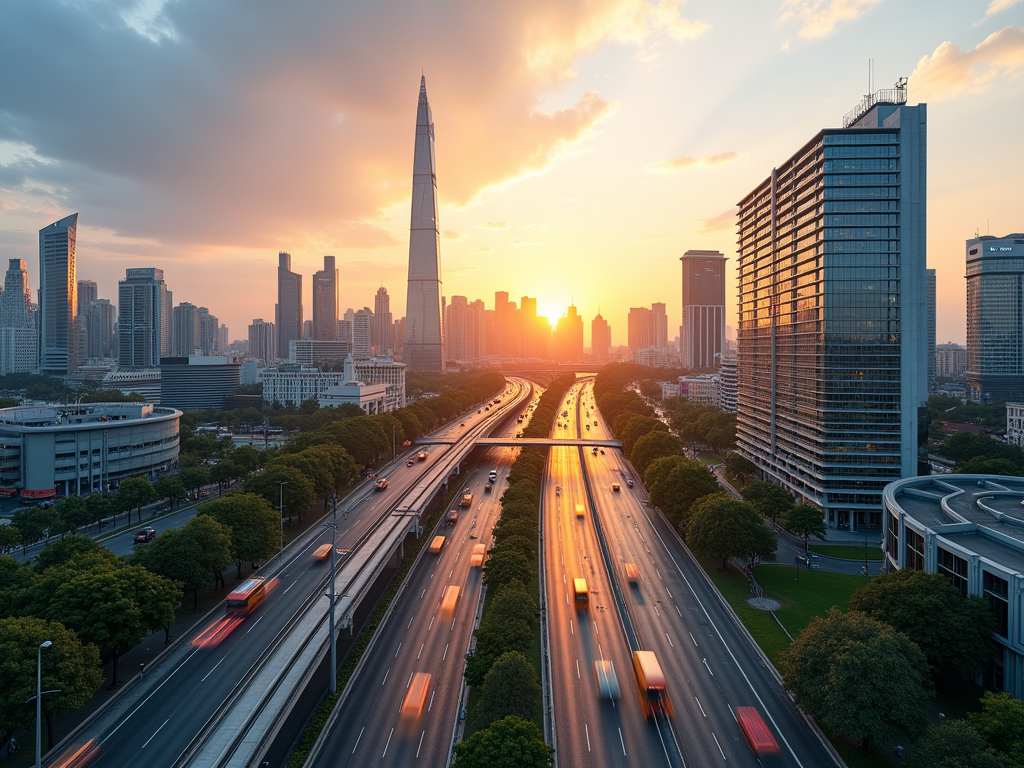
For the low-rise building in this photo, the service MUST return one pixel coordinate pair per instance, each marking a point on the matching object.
(56, 450)
(295, 384)
(701, 390)
(199, 381)
(950, 360)
(145, 382)
(1015, 423)
(652, 357)
(317, 351)
(371, 398)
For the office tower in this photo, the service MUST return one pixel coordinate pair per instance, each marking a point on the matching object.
(930, 276)
(702, 335)
(100, 319)
(19, 342)
(288, 311)
(639, 331)
(831, 359)
(455, 317)
(58, 297)
(568, 341)
(398, 337)
(423, 349)
(600, 339)
(325, 302)
(209, 327)
(380, 336)
(995, 319)
(87, 292)
(476, 330)
(950, 360)
(727, 384)
(198, 382)
(659, 326)
(362, 321)
(185, 336)
(261, 340)
(143, 319)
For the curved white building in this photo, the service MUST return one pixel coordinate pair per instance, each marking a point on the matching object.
(76, 450)
(969, 528)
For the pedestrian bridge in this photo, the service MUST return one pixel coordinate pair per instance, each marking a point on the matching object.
(520, 442)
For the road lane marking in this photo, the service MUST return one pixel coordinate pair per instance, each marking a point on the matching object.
(701, 708)
(421, 743)
(431, 699)
(671, 643)
(385, 676)
(445, 656)
(410, 622)
(423, 593)
(578, 670)
(212, 670)
(656, 611)
(289, 587)
(388, 744)
(587, 729)
(155, 733)
(421, 651)
(679, 612)
(398, 649)
(571, 630)
(151, 694)
(623, 743)
(669, 593)
(431, 623)
(659, 573)
(709, 668)
(409, 681)
(692, 638)
(718, 745)
(250, 629)
(356, 745)
(596, 630)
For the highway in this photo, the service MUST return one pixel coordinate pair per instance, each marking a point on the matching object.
(420, 636)
(154, 722)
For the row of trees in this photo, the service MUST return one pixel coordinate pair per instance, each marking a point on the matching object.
(508, 715)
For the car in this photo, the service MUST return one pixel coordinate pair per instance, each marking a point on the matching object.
(615, 486)
(381, 484)
(629, 482)
(144, 535)
(409, 463)
(462, 424)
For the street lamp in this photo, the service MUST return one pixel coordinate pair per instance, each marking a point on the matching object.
(282, 484)
(333, 676)
(39, 702)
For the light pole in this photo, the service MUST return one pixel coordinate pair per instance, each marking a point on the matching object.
(39, 703)
(282, 484)
(333, 676)
(394, 446)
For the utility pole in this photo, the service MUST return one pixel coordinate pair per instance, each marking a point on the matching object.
(333, 677)
(281, 509)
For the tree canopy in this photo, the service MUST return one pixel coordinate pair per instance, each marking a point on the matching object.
(511, 742)
(805, 521)
(510, 688)
(675, 483)
(653, 446)
(1001, 723)
(254, 525)
(720, 527)
(769, 499)
(953, 744)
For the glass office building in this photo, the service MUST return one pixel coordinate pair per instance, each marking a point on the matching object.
(831, 349)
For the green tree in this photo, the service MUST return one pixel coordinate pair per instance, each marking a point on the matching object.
(249, 458)
(954, 632)
(34, 524)
(16, 581)
(194, 478)
(225, 471)
(1001, 724)
(61, 551)
(511, 742)
(858, 676)
(254, 524)
(114, 609)
(214, 542)
(769, 499)
(740, 466)
(178, 555)
(675, 483)
(298, 490)
(721, 527)
(100, 507)
(979, 465)
(637, 427)
(652, 446)
(506, 564)
(134, 493)
(10, 538)
(69, 668)
(318, 473)
(169, 487)
(953, 744)
(806, 521)
(510, 688)
(73, 512)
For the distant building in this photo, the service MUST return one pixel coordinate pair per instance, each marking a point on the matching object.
(465, 329)
(325, 302)
(19, 340)
(77, 450)
(380, 333)
(950, 360)
(383, 370)
(295, 384)
(669, 389)
(145, 382)
(99, 318)
(700, 390)
(568, 339)
(362, 324)
(995, 331)
(185, 336)
(1015, 423)
(639, 333)
(316, 352)
(288, 310)
(261, 340)
(930, 278)
(144, 325)
(600, 338)
(727, 384)
(194, 383)
(249, 373)
(58, 297)
(209, 332)
(651, 357)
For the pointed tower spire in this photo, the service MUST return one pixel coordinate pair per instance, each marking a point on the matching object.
(423, 348)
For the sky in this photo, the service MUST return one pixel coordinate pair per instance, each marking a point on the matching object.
(582, 145)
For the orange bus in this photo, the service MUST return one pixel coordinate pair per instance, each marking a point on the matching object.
(246, 596)
(416, 696)
(450, 600)
(652, 689)
(436, 544)
(579, 588)
(476, 560)
(321, 552)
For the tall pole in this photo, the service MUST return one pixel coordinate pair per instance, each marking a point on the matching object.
(281, 509)
(334, 650)
(39, 703)
(394, 447)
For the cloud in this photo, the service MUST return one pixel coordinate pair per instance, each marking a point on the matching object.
(785, 45)
(723, 221)
(495, 225)
(452, 234)
(683, 162)
(950, 72)
(820, 17)
(997, 6)
(524, 244)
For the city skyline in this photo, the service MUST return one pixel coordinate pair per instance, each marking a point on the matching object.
(565, 162)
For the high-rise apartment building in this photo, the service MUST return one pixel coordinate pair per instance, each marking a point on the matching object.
(930, 277)
(261, 340)
(362, 322)
(209, 331)
(380, 335)
(288, 311)
(995, 318)
(423, 349)
(223, 339)
(325, 302)
(185, 336)
(568, 339)
(950, 360)
(144, 324)
(639, 329)
(100, 318)
(659, 326)
(19, 342)
(831, 358)
(702, 334)
(600, 339)
(58, 297)
(465, 330)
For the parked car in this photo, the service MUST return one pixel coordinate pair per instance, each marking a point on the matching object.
(144, 536)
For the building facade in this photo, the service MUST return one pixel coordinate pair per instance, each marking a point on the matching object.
(1015, 423)
(198, 382)
(832, 340)
(600, 339)
(703, 389)
(702, 334)
(185, 336)
(77, 450)
(362, 334)
(58, 297)
(314, 352)
(325, 301)
(288, 310)
(950, 360)
(144, 324)
(995, 318)
(727, 384)
(19, 341)
(932, 373)
(261, 340)
(380, 335)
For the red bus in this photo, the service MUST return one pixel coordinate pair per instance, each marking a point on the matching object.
(759, 738)
(246, 596)
(651, 687)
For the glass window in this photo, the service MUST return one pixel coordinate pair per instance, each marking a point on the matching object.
(996, 591)
(914, 554)
(954, 568)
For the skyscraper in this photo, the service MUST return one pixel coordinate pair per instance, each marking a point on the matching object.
(995, 322)
(362, 322)
(831, 357)
(58, 297)
(144, 318)
(600, 338)
(19, 344)
(702, 335)
(931, 329)
(185, 336)
(261, 340)
(639, 332)
(568, 341)
(380, 337)
(288, 311)
(325, 302)
(209, 327)
(423, 349)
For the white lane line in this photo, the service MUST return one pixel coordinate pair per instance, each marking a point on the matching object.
(571, 630)
(410, 622)
(718, 745)
(250, 629)
(155, 733)
(431, 700)
(445, 652)
(656, 611)
(451, 572)
(669, 593)
(289, 587)
(420, 744)
(678, 611)
(421, 651)
(623, 743)
(596, 630)
(431, 623)
(702, 708)
(194, 651)
(385, 676)
(578, 670)
(563, 579)
(423, 593)
(409, 681)
(388, 744)
(587, 729)
(398, 649)
(671, 643)
(356, 745)
(659, 573)
(211, 671)
(709, 668)
(566, 598)
(693, 638)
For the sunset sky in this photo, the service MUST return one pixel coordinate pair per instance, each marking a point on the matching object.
(582, 145)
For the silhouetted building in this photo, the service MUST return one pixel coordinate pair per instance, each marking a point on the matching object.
(325, 302)
(261, 340)
(702, 335)
(600, 338)
(288, 311)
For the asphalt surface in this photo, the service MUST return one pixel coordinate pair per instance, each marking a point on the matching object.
(420, 636)
(155, 721)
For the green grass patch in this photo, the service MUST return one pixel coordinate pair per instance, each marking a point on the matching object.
(847, 551)
(710, 458)
(765, 630)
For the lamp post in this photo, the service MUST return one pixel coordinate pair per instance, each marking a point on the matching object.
(394, 446)
(282, 484)
(333, 676)
(39, 702)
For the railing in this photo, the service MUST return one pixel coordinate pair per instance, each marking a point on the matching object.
(895, 95)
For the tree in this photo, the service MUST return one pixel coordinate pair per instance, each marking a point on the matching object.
(10, 538)
(506, 564)
(249, 458)
(804, 520)
(214, 542)
(637, 427)
(510, 688)
(61, 551)
(69, 668)
(1001, 724)
(194, 478)
(114, 609)
(176, 555)
(225, 471)
(860, 677)
(254, 524)
(979, 465)
(134, 493)
(769, 499)
(952, 744)
(33, 524)
(508, 743)
(169, 487)
(73, 512)
(740, 466)
(298, 490)
(508, 626)
(952, 631)
(651, 446)
(675, 483)
(99, 507)
(721, 527)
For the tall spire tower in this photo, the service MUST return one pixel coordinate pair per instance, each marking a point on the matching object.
(424, 342)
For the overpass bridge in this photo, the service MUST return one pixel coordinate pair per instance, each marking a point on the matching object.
(523, 442)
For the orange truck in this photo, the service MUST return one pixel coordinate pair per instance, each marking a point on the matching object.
(652, 690)
(416, 696)
(476, 560)
(450, 600)
(436, 544)
(467, 500)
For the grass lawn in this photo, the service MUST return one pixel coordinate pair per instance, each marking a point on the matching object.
(710, 458)
(846, 552)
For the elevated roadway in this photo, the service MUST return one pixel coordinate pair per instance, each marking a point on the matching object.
(523, 442)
